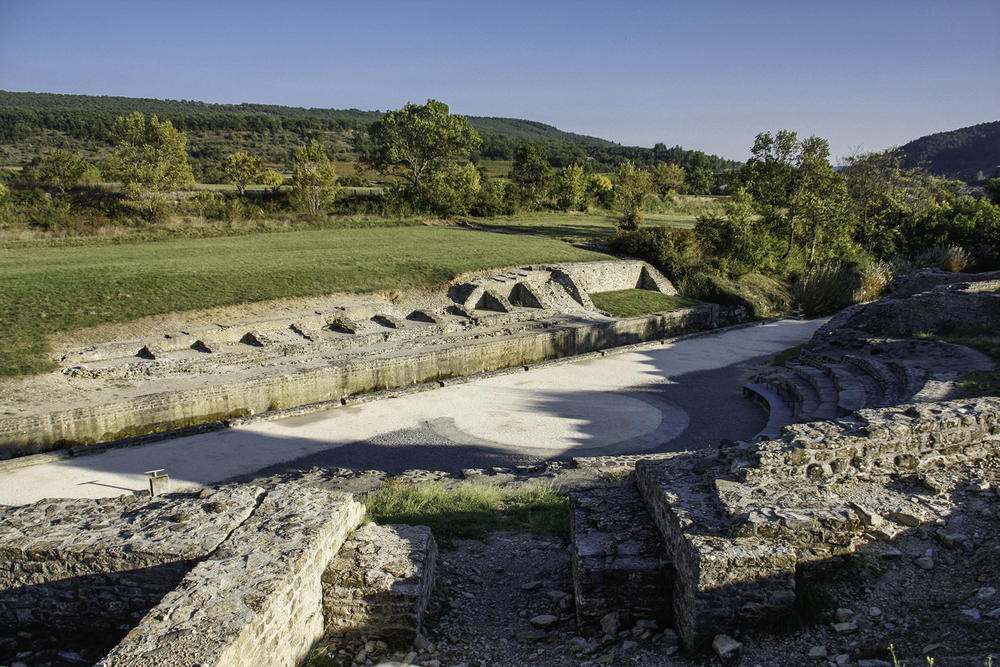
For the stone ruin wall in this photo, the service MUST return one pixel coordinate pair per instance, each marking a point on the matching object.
(740, 520)
(157, 412)
(234, 576)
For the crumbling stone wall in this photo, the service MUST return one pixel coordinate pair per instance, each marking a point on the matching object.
(379, 584)
(237, 572)
(740, 519)
(869, 443)
(101, 564)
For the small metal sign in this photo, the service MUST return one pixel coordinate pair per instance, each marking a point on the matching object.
(159, 482)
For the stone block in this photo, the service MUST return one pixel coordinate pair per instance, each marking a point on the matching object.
(378, 586)
(620, 563)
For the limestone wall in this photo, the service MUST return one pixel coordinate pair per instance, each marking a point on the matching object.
(164, 411)
(615, 275)
(379, 584)
(740, 520)
(905, 439)
(258, 599)
(100, 564)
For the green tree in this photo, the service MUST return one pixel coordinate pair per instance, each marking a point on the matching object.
(449, 191)
(150, 159)
(569, 187)
(60, 170)
(241, 169)
(3, 200)
(419, 140)
(601, 190)
(819, 201)
(668, 178)
(531, 172)
(698, 174)
(314, 180)
(631, 187)
(272, 179)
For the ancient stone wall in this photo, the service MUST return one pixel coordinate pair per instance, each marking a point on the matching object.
(870, 443)
(741, 519)
(610, 276)
(159, 412)
(379, 584)
(227, 577)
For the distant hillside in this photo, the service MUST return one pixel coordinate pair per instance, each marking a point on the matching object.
(33, 123)
(959, 154)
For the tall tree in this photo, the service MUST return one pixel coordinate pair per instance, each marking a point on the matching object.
(699, 175)
(631, 187)
(314, 179)
(819, 201)
(531, 172)
(241, 169)
(150, 159)
(668, 178)
(569, 187)
(417, 140)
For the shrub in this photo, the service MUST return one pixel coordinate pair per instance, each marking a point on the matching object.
(951, 258)
(874, 279)
(826, 288)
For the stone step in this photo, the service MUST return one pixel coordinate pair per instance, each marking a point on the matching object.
(779, 411)
(620, 564)
(825, 389)
(856, 390)
(885, 375)
(795, 389)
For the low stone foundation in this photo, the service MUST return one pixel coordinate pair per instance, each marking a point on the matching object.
(741, 519)
(227, 577)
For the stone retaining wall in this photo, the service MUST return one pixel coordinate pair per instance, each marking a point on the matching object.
(225, 577)
(164, 411)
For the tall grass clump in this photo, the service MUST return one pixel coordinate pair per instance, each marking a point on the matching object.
(469, 510)
(825, 288)
(946, 258)
(875, 278)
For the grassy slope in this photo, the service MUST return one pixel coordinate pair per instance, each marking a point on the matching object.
(50, 289)
(635, 302)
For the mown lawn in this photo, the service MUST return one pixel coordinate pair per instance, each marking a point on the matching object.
(55, 288)
(580, 226)
(635, 302)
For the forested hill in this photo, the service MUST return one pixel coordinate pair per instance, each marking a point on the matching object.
(960, 154)
(31, 123)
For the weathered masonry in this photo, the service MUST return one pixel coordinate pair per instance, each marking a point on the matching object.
(501, 321)
(232, 576)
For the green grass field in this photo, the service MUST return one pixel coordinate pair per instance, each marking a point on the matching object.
(580, 226)
(635, 302)
(52, 288)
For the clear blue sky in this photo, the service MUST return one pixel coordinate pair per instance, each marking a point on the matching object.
(704, 74)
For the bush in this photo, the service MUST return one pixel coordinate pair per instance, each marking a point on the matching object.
(664, 247)
(826, 288)
(952, 258)
(874, 279)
